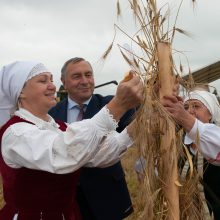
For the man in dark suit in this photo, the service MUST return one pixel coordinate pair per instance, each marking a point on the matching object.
(102, 192)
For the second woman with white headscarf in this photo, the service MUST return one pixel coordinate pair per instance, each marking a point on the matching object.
(199, 115)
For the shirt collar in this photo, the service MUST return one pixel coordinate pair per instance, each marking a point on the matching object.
(72, 104)
(26, 115)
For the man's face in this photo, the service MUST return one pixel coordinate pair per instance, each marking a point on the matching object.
(79, 81)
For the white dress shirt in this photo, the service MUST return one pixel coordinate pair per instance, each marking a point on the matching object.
(73, 110)
(43, 146)
(206, 136)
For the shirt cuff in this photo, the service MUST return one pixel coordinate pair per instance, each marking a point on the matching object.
(196, 131)
(104, 120)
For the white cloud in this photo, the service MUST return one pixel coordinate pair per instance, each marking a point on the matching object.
(54, 31)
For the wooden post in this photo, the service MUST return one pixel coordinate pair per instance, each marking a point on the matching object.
(168, 162)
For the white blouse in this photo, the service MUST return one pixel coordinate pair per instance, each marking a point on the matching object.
(207, 137)
(43, 146)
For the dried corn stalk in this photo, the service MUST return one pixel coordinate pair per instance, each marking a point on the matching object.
(168, 172)
(166, 193)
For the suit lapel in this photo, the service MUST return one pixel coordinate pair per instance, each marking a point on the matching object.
(62, 110)
(92, 108)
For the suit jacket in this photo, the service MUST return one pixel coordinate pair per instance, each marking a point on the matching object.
(102, 192)
(211, 183)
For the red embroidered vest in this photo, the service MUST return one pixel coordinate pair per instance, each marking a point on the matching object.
(35, 194)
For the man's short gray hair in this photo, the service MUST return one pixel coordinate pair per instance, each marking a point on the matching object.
(72, 60)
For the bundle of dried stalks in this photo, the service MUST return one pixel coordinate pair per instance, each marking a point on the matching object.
(166, 194)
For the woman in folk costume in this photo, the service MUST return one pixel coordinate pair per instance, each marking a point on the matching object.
(199, 115)
(40, 158)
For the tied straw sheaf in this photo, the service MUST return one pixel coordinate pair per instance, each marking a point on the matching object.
(167, 193)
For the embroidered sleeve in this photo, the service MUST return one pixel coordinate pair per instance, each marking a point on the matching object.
(206, 137)
(48, 148)
(111, 149)
(105, 119)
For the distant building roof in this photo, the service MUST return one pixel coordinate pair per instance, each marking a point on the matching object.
(207, 74)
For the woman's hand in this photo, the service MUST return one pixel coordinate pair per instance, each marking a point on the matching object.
(174, 105)
(129, 95)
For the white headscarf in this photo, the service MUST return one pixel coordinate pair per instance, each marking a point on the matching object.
(209, 100)
(12, 79)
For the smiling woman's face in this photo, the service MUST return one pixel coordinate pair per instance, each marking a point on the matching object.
(38, 93)
(198, 109)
